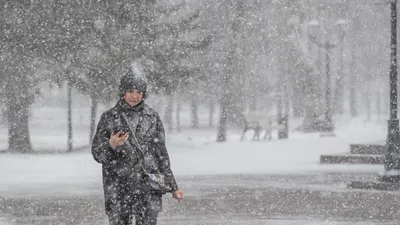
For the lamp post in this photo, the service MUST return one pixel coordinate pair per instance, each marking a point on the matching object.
(328, 88)
(341, 25)
(392, 156)
(314, 25)
(390, 180)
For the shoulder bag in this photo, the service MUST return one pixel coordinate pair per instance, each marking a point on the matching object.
(157, 182)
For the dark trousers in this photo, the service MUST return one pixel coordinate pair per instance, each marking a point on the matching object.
(134, 206)
(128, 205)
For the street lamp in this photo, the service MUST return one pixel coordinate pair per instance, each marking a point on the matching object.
(390, 179)
(392, 155)
(340, 25)
(314, 25)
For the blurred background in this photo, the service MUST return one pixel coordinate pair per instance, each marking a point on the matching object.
(210, 64)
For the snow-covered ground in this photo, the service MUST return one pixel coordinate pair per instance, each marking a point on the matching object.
(192, 152)
(280, 222)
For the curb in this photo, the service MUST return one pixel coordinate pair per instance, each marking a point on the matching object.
(352, 159)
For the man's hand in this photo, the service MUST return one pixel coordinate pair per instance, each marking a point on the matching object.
(116, 140)
(178, 195)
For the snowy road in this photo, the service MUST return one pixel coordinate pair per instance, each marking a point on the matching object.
(309, 199)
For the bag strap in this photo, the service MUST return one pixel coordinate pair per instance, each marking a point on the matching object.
(132, 138)
(132, 126)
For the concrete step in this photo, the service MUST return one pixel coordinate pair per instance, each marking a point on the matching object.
(376, 185)
(352, 159)
(377, 149)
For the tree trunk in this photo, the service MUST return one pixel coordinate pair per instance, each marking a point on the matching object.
(328, 90)
(168, 112)
(178, 113)
(93, 108)
(378, 105)
(253, 103)
(368, 97)
(69, 115)
(353, 78)
(212, 110)
(353, 101)
(194, 112)
(286, 102)
(339, 84)
(222, 132)
(338, 96)
(298, 105)
(18, 125)
(224, 104)
(311, 100)
(232, 62)
(368, 104)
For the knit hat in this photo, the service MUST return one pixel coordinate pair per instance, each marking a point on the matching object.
(134, 78)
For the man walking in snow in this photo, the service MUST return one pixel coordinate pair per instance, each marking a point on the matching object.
(127, 193)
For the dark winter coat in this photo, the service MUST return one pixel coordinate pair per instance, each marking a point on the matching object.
(121, 168)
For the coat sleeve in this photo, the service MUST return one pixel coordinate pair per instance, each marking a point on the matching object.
(101, 149)
(163, 157)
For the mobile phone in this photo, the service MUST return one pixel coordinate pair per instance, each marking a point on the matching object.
(123, 129)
